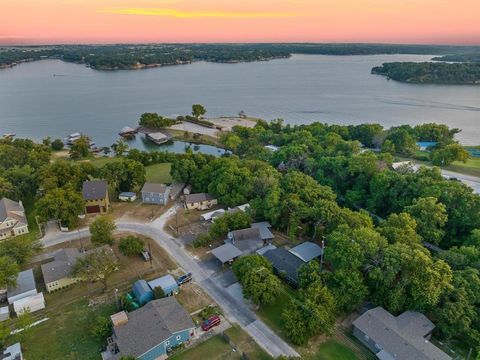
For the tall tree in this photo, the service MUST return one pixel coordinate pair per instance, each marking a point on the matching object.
(198, 110)
(61, 204)
(431, 217)
(80, 148)
(101, 230)
(400, 228)
(96, 266)
(8, 271)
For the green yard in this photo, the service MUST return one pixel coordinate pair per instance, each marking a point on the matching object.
(66, 335)
(332, 350)
(159, 173)
(217, 348)
(471, 167)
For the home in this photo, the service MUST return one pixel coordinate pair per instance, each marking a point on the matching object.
(226, 253)
(57, 274)
(200, 201)
(167, 283)
(95, 194)
(401, 337)
(153, 330)
(13, 221)
(25, 287)
(247, 240)
(155, 193)
(264, 228)
(285, 264)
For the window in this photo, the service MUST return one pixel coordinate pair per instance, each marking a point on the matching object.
(179, 337)
(167, 342)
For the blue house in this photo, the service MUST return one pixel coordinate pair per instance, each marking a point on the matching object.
(155, 193)
(167, 283)
(143, 293)
(153, 330)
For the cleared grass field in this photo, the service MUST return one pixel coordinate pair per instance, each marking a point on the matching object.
(332, 350)
(159, 173)
(66, 335)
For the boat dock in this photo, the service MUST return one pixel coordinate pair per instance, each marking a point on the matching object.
(158, 137)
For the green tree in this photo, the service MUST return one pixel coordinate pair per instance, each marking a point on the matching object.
(450, 153)
(308, 273)
(388, 147)
(131, 246)
(230, 140)
(348, 288)
(257, 279)
(124, 175)
(120, 147)
(431, 217)
(80, 148)
(400, 228)
(408, 278)
(19, 249)
(57, 145)
(5, 332)
(101, 328)
(96, 266)
(403, 141)
(24, 321)
(61, 204)
(6, 188)
(9, 270)
(101, 230)
(198, 110)
(158, 292)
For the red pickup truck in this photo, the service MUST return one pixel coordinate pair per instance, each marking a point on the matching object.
(211, 322)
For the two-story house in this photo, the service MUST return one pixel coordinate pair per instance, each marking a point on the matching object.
(200, 201)
(13, 221)
(153, 330)
(155, 193)
(95, 194)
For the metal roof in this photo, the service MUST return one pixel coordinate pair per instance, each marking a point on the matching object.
(264, 249)
(25, 283)
(164, 282)
(196, 198)
(226, 252)
(265, 232)
(402, 337)
(307, 251)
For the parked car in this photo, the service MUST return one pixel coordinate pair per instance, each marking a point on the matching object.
(184, 279)
(146, 255)
(211, 322)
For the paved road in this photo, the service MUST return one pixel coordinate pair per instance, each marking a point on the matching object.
(235, 308)
(472, 181)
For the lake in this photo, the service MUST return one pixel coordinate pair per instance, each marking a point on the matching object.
(305, 88)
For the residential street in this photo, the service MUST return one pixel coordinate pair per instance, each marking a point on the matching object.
(235, 308)
(472, 181)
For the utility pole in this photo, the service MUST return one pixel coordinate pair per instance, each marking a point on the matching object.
(117, 302)
(150, 255)
(321, 255)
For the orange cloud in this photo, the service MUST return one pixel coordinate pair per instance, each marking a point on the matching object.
(198, 14)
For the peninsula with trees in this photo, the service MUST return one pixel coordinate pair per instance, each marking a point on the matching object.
(431, 72)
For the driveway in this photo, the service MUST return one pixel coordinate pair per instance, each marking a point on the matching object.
(234, 306)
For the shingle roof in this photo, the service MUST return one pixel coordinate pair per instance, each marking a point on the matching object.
(164, 282)
(25, 282)
(265, 232)
(284, 261)
(307, 251)
(94, 189)
(401, 336)
(62, 265)
(246, 234)
(226, 252)
(154, 188)
(196, 198)
(13, 209)
(150, 325)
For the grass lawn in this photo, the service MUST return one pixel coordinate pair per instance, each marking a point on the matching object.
(332, 350)
(471, 167)
(66, 335)
(159, 173)
(217, 348)
(271, 314)
(100, 161)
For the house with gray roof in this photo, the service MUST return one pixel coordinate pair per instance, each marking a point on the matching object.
(13, 221)
(247, 240)
(264, 227)
(285, 264)
(153, 330)
(57, 274)
(226, 253)
(402, 337)
(153, 193)
(307, 251)
(95, 194)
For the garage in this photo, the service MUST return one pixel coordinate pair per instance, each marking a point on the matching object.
(93, 209)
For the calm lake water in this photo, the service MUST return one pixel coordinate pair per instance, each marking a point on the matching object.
(302, 89)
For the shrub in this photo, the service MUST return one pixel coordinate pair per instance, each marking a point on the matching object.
(57, 145)
(131, 246)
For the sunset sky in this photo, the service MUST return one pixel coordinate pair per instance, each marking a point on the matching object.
(108, 21)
